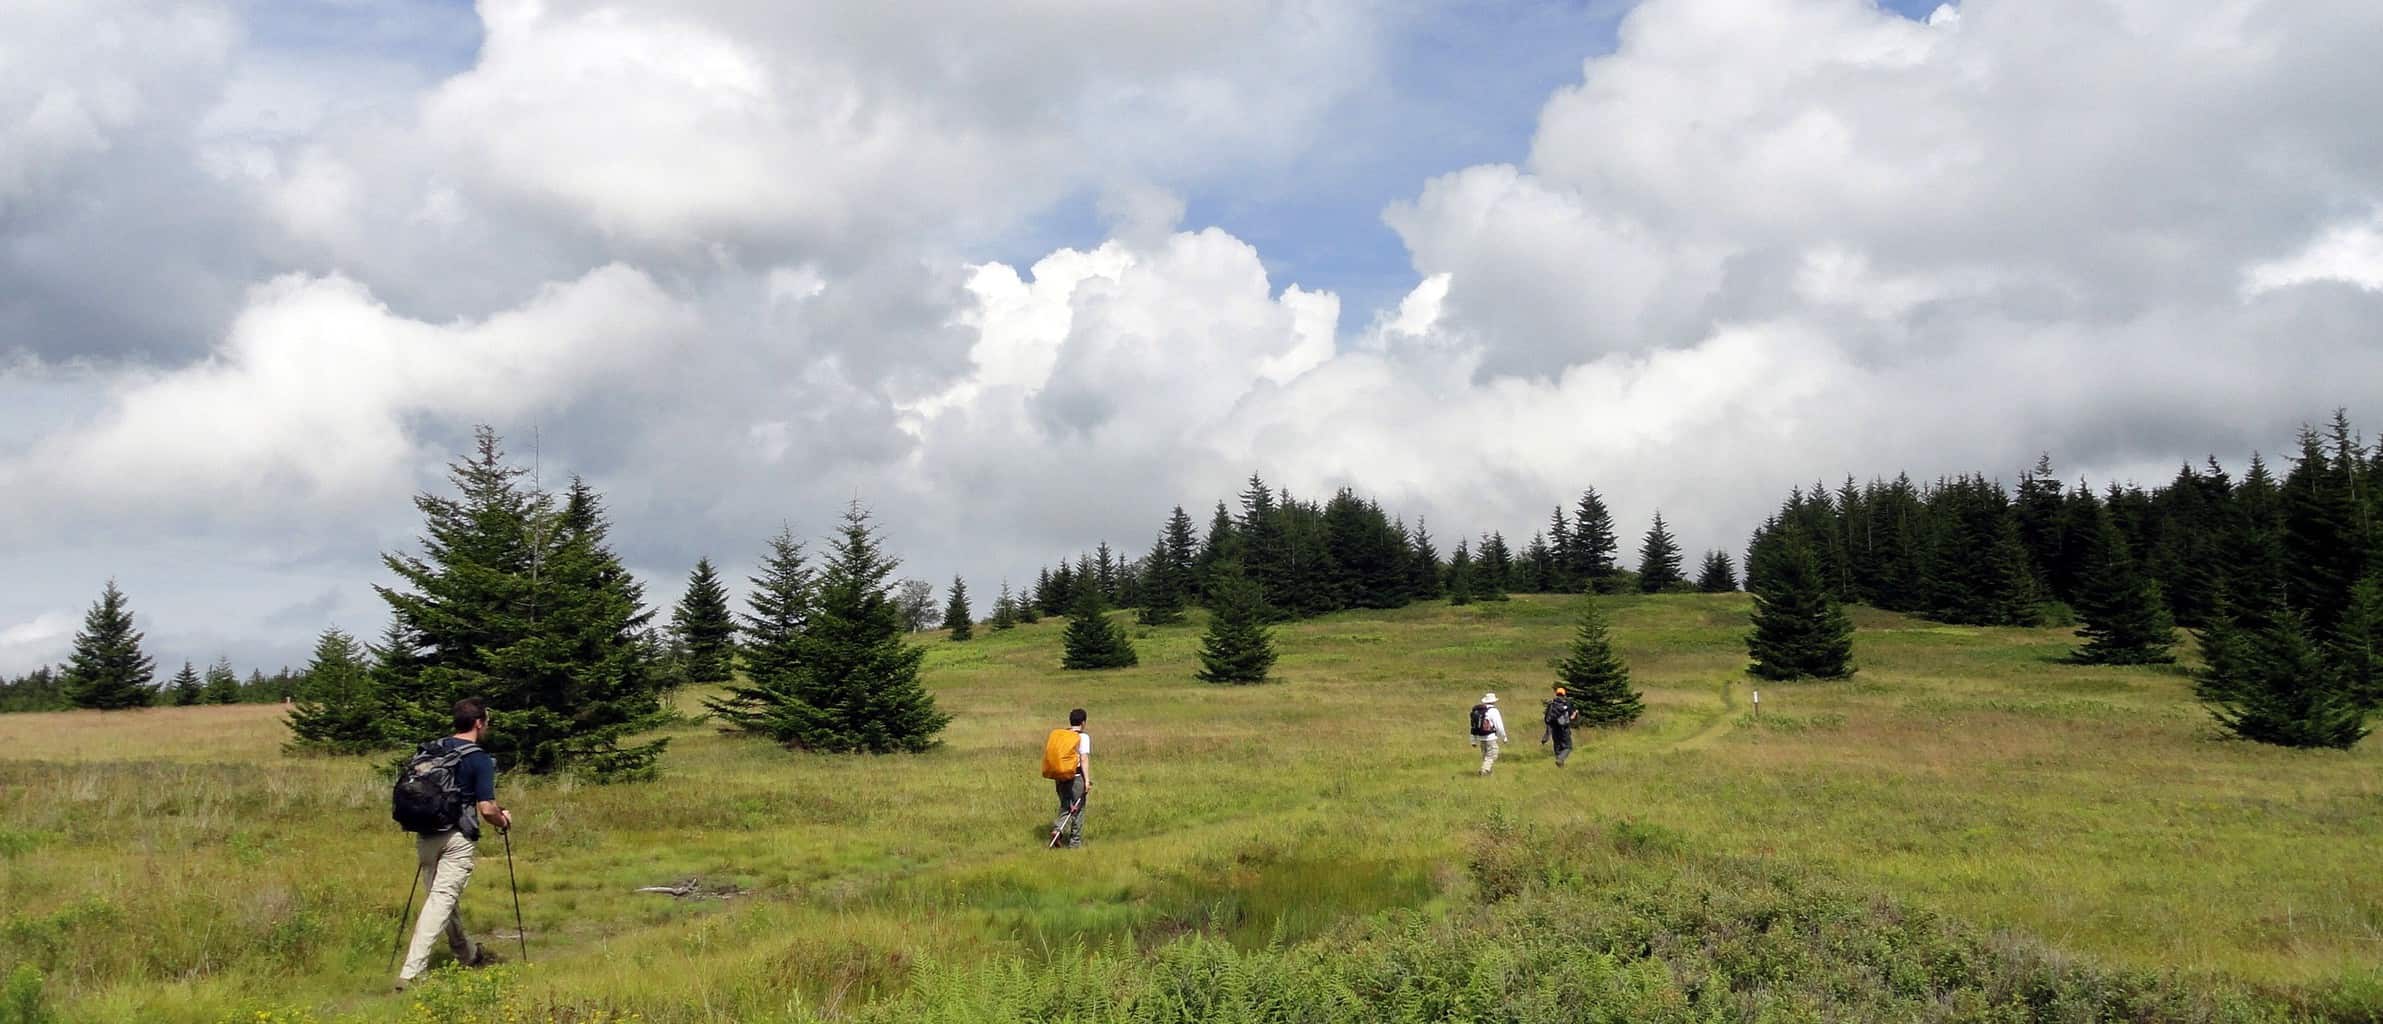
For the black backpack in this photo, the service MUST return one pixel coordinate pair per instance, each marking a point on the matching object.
(1481, 720)
(426, 798)
(1559, 712)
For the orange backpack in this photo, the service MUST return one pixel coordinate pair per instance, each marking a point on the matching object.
(1059, 754)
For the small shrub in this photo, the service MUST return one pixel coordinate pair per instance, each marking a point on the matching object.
(21, 1001)
(2056, 614)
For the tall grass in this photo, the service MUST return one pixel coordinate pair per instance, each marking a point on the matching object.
(174, 865)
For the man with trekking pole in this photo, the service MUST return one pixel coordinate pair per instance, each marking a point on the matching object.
(442, 795)
(1067, 762)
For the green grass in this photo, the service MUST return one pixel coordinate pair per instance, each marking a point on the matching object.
(2057, 828)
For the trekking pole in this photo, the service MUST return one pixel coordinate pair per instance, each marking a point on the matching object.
(1064, 819)
(519, 933)
(403, 913)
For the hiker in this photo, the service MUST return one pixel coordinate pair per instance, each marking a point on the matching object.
(442, 796)
(1067, 762)
(1558, 717)
(1489, 729)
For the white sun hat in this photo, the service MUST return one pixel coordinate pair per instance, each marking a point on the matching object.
(1489, 698)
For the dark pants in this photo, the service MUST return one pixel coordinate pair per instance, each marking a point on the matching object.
(1562, 735)
(1071, 797)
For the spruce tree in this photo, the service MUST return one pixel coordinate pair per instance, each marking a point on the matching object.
(1492, 569)
(2357, 646)
(1559, 551)
(1005, 610)
(956, 616)
(1029, 611)
(844, 681)
(1593, 543)
(1093, 640)
(1717, 576)
(1237, 647)
(522, 603)
(1221, 545)
(107, 670)
(338, 708)
(223, 684)
(1594, 677)
(1164, 583)
(1182, 548)
(1799, 630)
(2273, 685)
(2125, 621)
(185, 687)
(1425, 574)
(1539, 566)
(778, 609)
(1460, 576)
(1658, 559)
(703, 627)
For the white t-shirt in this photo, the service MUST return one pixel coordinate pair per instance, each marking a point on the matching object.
(1083, 744)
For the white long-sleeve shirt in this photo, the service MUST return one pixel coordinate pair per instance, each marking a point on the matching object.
(1497, 726)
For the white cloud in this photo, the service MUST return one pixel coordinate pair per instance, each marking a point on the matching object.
(309, 400)
(2349, 254)
(1727, 265)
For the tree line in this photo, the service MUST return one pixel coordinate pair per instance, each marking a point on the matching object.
(109, 670)
(2280, 579)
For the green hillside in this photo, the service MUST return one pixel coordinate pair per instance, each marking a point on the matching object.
(1968, 829)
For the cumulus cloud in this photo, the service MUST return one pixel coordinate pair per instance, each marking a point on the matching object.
(728, 258)
(309, 401)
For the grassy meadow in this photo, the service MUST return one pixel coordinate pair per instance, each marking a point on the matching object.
(1969, 829)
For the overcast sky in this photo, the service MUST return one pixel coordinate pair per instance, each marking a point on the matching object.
(1023, 276)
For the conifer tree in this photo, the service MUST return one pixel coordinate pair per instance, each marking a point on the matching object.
(1593, 543)
(1104, 573)
(1594, 677)
(185, 687)
(2125, 621)
(2273, 685)
(2324, 541)
(1538, 565)
(956, 616)
(1425, 573)
(1658, 559)
(1460, 576)
(1491, 569)
(338, 708)
(522, 603)
(1005, 610)
(2357, 646)
(1163, 585)
(223, 684)
(1559, 552)
(839, 678)
(1221, 545)
(1093, 641)
(1717, 576)
(1061, 594)
(1799, 630)
(1029, 611)
(703, 627)
(778, 611)
(1237, 648)
(1182, 552)
(107, 670)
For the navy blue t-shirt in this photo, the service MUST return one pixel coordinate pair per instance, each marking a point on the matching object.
(475, 778)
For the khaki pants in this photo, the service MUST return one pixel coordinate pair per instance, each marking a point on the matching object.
(1489, 753)
(446, 859)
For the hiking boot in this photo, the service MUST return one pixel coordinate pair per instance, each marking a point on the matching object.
(482, 956)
